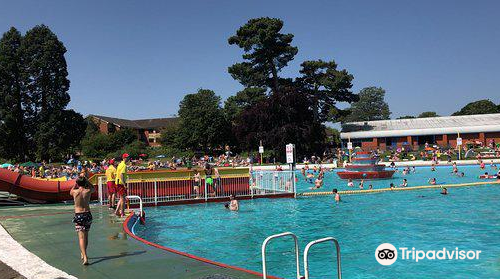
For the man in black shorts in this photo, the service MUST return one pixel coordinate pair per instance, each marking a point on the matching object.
(81, 192)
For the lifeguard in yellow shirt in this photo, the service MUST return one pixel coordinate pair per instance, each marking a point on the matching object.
(121, 182)
(110, 178)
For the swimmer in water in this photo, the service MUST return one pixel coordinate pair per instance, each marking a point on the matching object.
(433, 167)
(461, 174)
(405, 183)
(317, 183)
(361, 184)
(413, 169)
(391, 186)
(310, 177)
(370, 187)
(337, 196)
(444, 191)
(233, 204)
(350, 183)
(432, 181)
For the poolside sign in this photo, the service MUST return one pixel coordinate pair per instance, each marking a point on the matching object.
(289, 153)
(261, 149)
(459, 141)
(349, 145)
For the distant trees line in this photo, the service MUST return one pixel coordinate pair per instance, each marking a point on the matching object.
(274, 110)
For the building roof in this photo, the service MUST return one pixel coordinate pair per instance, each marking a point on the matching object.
(422, 126)
(154, 123)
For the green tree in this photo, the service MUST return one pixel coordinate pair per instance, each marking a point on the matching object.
(45, 69)
(325, 86)
(60, 135)
(371, 106)
(478, 107)
(96, 145)
(285, 117)
(134, 149)
(333, 136)
(12, 137)
(169, 135)
(267, 51)
(426, 114)
(406, 117)
(246, 98)
(202, 122)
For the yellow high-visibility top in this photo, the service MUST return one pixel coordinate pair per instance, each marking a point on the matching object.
(111, 173)
(121, 169)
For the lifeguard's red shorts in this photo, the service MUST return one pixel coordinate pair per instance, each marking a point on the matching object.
(120, 190)
(111, 187)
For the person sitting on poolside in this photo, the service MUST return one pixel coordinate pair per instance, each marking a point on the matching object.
(350, 183)
(337, 195)
(405, 183)
(444, 191)
(233, 204)
(432, 181)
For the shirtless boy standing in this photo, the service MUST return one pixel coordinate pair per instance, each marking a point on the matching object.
(81, 192)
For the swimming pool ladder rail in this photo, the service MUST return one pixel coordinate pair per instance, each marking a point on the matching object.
(140, 203)
(264, 246)
(312, 243)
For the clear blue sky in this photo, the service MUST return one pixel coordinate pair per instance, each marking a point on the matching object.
(137, 59)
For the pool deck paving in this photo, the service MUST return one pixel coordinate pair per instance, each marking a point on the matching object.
(48, 232)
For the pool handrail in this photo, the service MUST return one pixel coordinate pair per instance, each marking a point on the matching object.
(306, 255)
(264, 245)
(140, 203)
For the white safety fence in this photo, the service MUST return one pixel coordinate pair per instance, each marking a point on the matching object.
(273, 182)
(159, 191)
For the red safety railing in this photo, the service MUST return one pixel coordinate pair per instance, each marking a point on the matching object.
(160, 191)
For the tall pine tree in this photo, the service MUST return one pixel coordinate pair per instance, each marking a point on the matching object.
(12, 138)
(47, 88)
(34, 123)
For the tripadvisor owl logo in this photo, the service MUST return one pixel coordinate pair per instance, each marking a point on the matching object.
(386, 254)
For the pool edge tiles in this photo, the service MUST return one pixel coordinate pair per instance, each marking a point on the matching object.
(131, 221)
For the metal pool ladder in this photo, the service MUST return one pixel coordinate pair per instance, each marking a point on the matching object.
(306, 254)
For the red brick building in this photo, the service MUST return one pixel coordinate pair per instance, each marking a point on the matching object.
(481, 129)
(148, 130)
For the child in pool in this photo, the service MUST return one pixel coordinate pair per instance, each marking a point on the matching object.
(405, 183)
(444, 191)
(350, 183)
(432, 181)
(337, 196)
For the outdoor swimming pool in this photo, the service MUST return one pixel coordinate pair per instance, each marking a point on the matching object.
(467, 218)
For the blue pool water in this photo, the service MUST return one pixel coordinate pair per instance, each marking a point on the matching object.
(468, 218)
